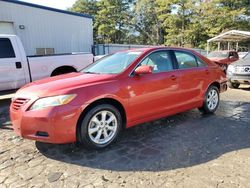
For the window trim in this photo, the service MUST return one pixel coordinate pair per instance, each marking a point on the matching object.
(158, 50)
(198, 58)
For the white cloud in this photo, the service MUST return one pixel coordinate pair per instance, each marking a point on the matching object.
(59, 4)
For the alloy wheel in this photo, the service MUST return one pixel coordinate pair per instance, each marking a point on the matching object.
(102, 127)
(212, 99)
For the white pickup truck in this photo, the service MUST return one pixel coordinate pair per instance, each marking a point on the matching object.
(16, 69)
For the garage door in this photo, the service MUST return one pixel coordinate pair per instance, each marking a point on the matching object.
(6, 28)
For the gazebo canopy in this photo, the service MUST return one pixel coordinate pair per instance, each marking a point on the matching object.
(231, 36)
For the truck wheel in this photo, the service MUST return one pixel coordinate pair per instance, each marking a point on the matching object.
(63, 70)
(100, 127)
(233, 85)
(211, 101)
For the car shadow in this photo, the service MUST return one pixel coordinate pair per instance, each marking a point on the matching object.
(245, 88)
(4, 114)
(184, 140)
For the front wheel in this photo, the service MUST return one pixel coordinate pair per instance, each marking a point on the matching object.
(211, 101)
(100, 126)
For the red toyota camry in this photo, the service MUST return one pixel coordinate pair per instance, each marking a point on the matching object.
(116, 92)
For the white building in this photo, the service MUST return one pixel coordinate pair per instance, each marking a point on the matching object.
(45, 30)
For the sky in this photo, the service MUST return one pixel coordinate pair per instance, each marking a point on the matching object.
(59, 4)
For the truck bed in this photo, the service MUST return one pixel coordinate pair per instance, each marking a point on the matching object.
(43, 66)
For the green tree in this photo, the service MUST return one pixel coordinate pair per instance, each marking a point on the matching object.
(85, 7)
(146, 22)
(176, 21)
(113, 18)
(218, 16)
(188, 23)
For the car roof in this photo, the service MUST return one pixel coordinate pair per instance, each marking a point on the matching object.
(224, 51)
(148, 49)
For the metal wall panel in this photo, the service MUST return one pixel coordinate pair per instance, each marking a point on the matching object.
(40, 28)
(102, 49)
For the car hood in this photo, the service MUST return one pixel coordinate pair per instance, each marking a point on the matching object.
(61, 84)
(216, 58)
(242, 62)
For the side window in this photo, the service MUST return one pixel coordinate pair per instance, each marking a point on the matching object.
(160, 61)
(200, 62)
(185, 60)
(6, 49)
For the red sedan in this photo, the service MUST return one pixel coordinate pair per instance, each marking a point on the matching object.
(116, 92)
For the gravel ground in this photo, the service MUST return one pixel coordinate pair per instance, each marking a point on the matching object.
(185, 150)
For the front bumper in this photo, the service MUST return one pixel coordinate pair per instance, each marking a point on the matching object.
(240, 79)
(52, 125)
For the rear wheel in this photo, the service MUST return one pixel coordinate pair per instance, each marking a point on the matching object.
(211, 101)
(100, 126)
(233, 85)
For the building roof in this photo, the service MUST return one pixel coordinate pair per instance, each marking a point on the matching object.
(48, 8)
(231, 36)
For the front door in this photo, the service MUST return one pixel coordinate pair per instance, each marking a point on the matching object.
(156, 93)
(11, 69)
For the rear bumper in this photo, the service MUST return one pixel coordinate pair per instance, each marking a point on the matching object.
(52, 125)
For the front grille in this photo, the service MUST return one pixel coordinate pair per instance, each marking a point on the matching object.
(18, 103)
(242, 69)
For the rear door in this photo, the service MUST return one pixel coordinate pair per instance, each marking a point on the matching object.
(11, 70)
(194, 75)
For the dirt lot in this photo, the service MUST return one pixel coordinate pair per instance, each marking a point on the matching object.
(185, 150)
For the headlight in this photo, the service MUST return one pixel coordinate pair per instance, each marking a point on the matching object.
(52, 101)
(230, 69)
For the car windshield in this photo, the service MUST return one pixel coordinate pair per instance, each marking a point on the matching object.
(112, 64)
(218, 54)
(247, 56)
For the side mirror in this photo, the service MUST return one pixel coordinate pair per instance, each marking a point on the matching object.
(144, 69)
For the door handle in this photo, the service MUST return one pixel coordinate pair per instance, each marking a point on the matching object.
(18, 65)
(173, 77)
(207, 71)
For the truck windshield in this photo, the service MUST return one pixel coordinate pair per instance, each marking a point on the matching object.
(112, 64)
(247, 56)
(218, 54)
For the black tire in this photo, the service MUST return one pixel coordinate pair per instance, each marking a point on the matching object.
(83, 135)
(206, 109)
(233, 85)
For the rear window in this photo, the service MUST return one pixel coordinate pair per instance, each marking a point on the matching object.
(6, 49)
(200, 62)
(185, 60)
